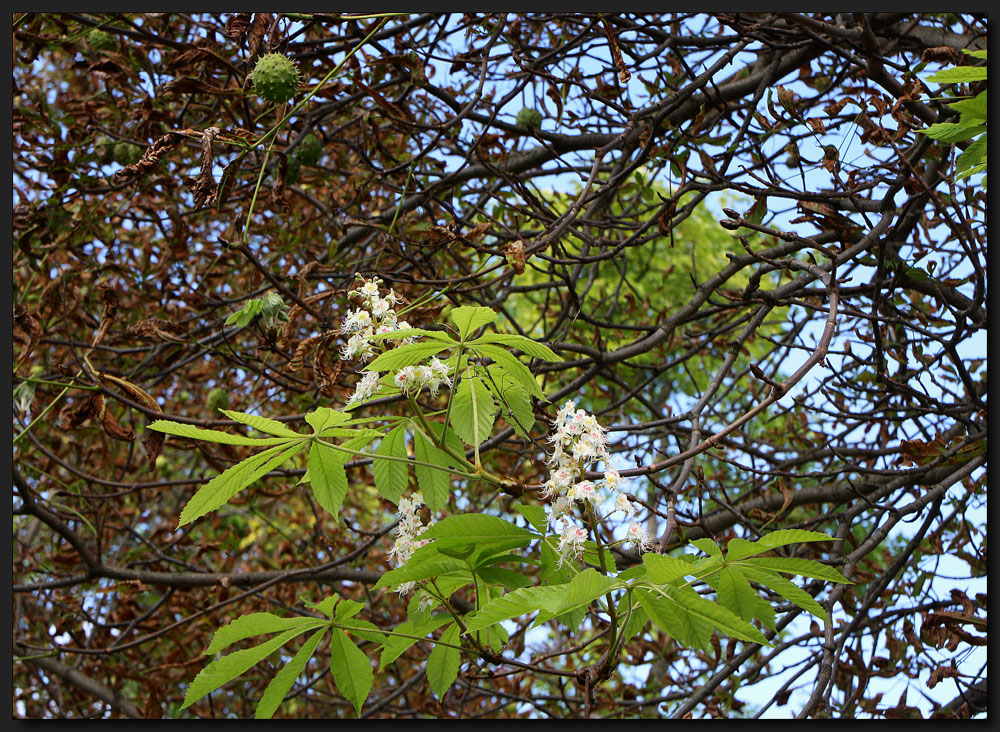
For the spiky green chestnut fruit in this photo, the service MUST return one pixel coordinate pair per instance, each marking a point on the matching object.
(308, 151)
(125, 153)
(275, 78)
(217, 399)
(294, 171)
(529, 117)
(99, 40)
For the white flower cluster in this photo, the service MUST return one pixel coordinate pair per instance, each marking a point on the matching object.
(409, 526)
(580, 441)
(375, 317)
(414, 378)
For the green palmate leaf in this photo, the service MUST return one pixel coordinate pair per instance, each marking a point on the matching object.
(973, 156)
(571, 619)
(513, 399)
(352, 672)
(324, 418)
(506, 577)
(687, 629)
(636, 621)
(245, 315)
(953, 131)
(514, 604)
(324, 606)
(740, 548)
(348, 609)
(222, 438)
(535, 516)
(522, 343)
(435, 485)
(634, 572)
(663, 570)
(391, 478)
(783, 587)
(229, 667)
(474, 527)
(219, 490)
(711, 612)
(583, 589)
(248, 626)
(973, 110)
(407, 355)
(418, 570)
(736, 594)
(327, 478)
(803, 567)
(444, 661)
(517, 371)
(413, 333)
(262, 424)
(708, 546)
(473, 411)
(469, 319)
(275, 692)
(959, 75)
(509, 559)
(363, 629)
(756, 213)
(410, 632)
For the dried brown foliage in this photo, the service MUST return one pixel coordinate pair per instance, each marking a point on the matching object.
(154, 195)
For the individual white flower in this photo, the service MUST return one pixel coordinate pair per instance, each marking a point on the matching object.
(392, 298)
(369, 289)
(559, 482)
(380, 308)
(358, 346)
(356, 320)
(571, 541)
(638, 536)
(612, 480)
(404, 378)
(623, 504)
(585, 490)
(366, 387)
(562, 506)
(425, 602)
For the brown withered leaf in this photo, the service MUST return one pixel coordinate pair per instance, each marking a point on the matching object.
(157, 150)
(237, 26)
(153, 442)
(115, 430)
(110, 297)
(74, 415)
(258, 29)
(279, 195)
(515, 256)
(940, 55)
(205, 186)
(154, 329)
(26, 331)
(941, 672)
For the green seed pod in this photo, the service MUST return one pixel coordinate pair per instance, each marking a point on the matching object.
(309, 150)
(217, 399)
(294, 171)
(529, 117)
(275, 78)
(125, 153)
(99, 40)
